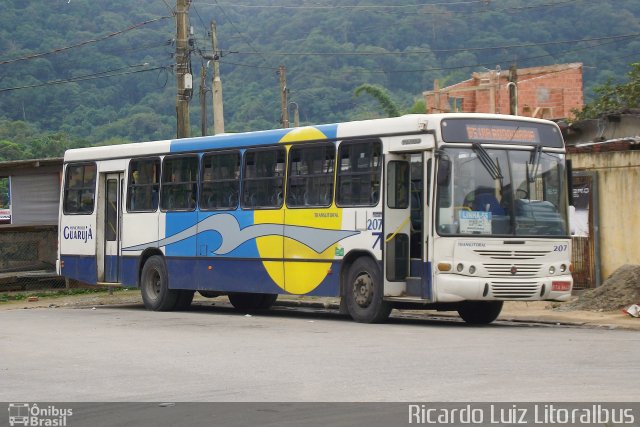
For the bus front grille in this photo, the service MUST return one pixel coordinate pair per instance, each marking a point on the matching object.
(512, 270)
(510, 255)
(510, 290)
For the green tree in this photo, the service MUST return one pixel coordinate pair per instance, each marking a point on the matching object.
(10, 151)
(382, 96)
(611, 98)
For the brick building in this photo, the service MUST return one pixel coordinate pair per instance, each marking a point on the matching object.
(549, 92)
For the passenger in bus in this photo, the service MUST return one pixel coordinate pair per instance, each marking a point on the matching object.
(484, 199)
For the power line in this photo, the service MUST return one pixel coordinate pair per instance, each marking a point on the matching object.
(248, 65)
(470, 49)
(95, 76)
(84, 43)
(171, 9)
(423, 70)
(241, 33)
(142, 47)
(402, 8)
(204, 26)
(371, 6)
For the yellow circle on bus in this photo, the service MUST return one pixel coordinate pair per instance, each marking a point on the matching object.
(295, 275)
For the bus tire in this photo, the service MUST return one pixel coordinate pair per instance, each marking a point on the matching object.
(185, 297)
(252, 301)
(364, 292)
(480, 312)
(210, 294)
(154, 286)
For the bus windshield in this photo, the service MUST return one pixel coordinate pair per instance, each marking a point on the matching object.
(500, 192)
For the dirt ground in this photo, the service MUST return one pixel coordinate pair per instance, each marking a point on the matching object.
(620, 290)
(535, 311)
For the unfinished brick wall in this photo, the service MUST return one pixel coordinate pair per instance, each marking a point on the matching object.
(549, 92)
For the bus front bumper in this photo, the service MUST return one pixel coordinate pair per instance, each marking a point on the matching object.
(455, 287)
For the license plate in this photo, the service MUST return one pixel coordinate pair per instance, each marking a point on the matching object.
(560, 286)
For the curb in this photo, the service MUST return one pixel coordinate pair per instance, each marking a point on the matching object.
(520, 320)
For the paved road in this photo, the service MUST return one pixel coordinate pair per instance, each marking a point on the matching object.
(212, 353)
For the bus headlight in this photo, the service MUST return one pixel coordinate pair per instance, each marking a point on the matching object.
(552, 270)
(472, 269)
(563, 268)
(460, 267)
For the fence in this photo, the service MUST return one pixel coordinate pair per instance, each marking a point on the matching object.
(28, 258)
(582, 258)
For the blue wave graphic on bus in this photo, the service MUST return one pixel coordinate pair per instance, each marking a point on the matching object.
(227, 226)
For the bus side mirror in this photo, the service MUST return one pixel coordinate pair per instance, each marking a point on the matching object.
(570, 181)
(444, 172)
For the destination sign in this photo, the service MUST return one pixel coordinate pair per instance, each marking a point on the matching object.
(496, 131)
(502, 133)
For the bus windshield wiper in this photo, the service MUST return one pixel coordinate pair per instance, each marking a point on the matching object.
(486, 160)
(536, 155)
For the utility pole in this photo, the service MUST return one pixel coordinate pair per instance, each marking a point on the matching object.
(203, 100)
(283, 97)
(513, 90)
(184, 78)
(296, 114)
(218, 109)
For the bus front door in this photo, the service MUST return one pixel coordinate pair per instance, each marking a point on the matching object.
(112, 223)
(397, 223)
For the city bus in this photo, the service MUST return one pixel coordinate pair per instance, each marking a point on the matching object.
(450, 212)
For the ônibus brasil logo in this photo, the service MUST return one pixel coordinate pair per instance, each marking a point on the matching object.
(25, 414)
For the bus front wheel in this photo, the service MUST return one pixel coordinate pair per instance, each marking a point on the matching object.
(364, 293)
(184, 300)
(480, 312)
(154, 286)
(252, 301)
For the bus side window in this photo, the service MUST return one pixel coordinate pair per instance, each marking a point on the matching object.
(220, 180)
(179, 185)
(311, 175)
(143, 185)
(359, 173)
(79, 189)
(263, 178)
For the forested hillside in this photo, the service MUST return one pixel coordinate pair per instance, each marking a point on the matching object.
(78, 72)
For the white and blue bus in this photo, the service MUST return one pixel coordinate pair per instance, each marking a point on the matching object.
(446, 211)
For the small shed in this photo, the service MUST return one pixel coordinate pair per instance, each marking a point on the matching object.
(605, 155)
(29, 201)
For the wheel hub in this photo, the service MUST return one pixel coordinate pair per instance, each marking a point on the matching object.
(153, 285)
(363, 290)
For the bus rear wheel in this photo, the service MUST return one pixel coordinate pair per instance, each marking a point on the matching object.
(154, 286)
(480, 312)
(364, 293)
(252, 301)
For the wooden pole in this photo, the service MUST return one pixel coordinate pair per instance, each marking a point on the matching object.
(283, 97)
(183, 78)
(218, 109)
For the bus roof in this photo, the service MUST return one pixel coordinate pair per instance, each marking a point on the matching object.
(408, 124)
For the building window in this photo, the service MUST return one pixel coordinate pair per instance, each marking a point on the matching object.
(79, 189)
(359, 173)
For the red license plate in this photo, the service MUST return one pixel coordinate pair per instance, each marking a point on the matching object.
(560, 286)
